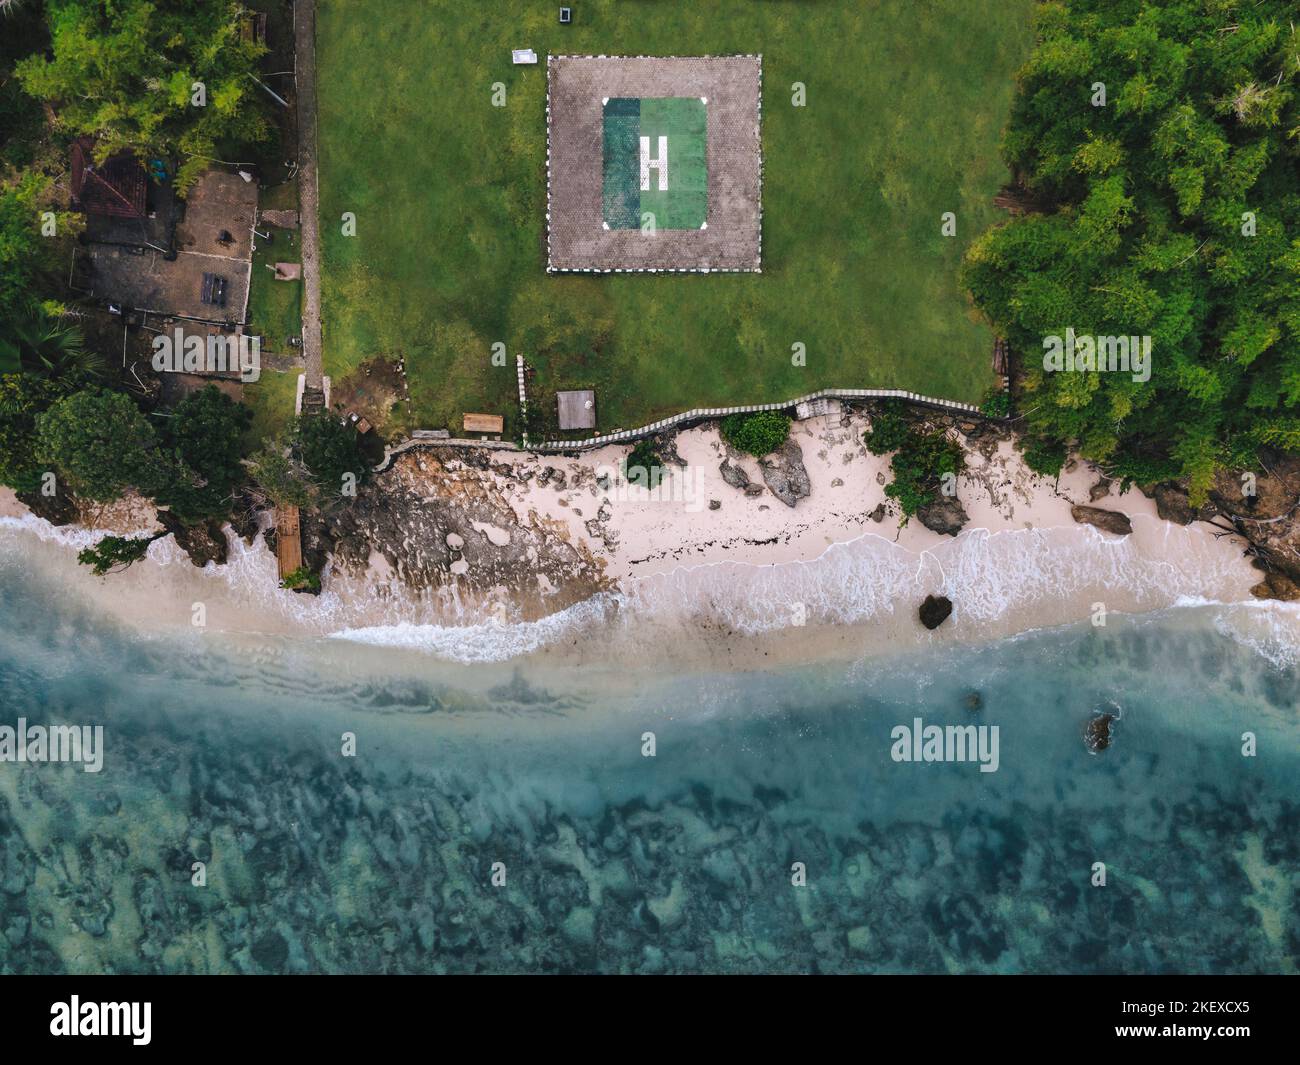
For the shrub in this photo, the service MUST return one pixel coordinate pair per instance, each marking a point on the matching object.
(643, 465)
(301, 580)
(759, 433)
(997, 404)
(889, 429)
(919, 465)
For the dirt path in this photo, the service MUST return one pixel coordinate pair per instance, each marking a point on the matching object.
(304, 29)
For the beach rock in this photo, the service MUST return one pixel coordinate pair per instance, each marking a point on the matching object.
(715, 504)
(935, 610)
(58, 509)
(666, 448)
(753, 490)
(733, 475)
(1097, 735)
(204, 542)
(1172, 503)
(878, 515)
(785, 474)
(1101, 490)
(945, 516)
(1111, 521)
(1276, 585)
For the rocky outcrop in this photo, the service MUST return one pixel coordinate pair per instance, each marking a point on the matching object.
(785, 474)
(935, 610)
(1096, 736)
(945, 516)
(666, 448)
(1275, 585)
(1172, 503)
(1100, 490)
(204, 541)
(58, 509)
(733, 475)
(1263, 508)
(1111, 521)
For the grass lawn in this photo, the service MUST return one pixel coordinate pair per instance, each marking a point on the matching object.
(905, 105)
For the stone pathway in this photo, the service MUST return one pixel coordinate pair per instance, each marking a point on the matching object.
(304, 28)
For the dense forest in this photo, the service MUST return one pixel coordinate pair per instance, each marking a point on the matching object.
(1156, 150)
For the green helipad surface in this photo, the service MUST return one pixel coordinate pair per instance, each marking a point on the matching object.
(655, 162)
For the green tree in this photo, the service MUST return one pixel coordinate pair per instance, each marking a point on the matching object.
(30, 262)
(115, 553)
(100, 444)
(921, 457)
(205, 434)
(33, 342)
(130, 73)
(281, 476)
(22, 398)
(329, 449)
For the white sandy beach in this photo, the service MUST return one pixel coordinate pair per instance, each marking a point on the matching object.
(751, 583)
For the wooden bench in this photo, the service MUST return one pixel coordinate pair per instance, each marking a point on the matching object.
(484, 423)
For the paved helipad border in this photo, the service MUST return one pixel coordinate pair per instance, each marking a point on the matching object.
(575, 239)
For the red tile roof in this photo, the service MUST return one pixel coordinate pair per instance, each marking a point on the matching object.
(116, 187)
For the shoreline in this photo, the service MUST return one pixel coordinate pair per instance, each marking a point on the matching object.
(750, 584)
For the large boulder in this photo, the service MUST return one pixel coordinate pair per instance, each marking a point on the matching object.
(733, 475)
(1172, 503)
(935, 610)
(785, 474)
(204, 542)
(1111, 521)
(946, 516)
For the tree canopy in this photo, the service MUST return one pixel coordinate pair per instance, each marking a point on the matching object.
(127, 72)
(100, 444)
(1163, 142)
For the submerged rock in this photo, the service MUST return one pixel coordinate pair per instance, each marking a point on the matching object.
(946, 516)
(785, 474)
(1097, 735)
(935, 610)
(973, 701)
(1111, 521)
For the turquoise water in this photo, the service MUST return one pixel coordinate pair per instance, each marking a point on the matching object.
(613, 861)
